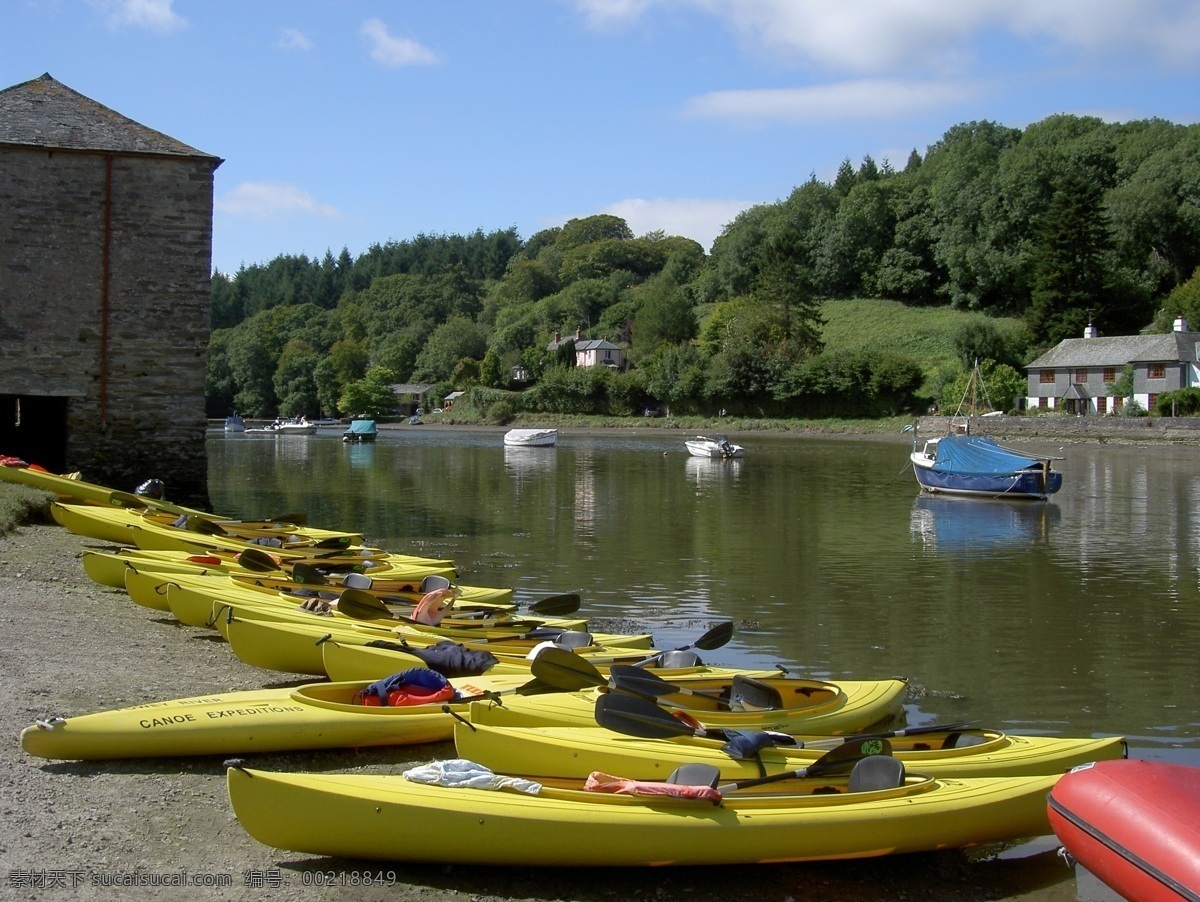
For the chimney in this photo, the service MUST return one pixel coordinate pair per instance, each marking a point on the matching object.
(1181, 324)
(578, 334)
(557, 336)
(1090, 332)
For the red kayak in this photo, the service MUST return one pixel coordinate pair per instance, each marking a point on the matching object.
(1134, 824)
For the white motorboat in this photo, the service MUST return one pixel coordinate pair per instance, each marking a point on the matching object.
(714, 448)
(235, 423)
(299, 426)
(531, 438)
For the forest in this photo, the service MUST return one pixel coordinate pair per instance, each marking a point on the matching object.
(1035, 232)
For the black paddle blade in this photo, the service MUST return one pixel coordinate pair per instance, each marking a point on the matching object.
(258, 561)
(639, 717)
(565, 670)
(630, 678)
(362, 605)
(557, 605)
(716, 637)
(307, 574)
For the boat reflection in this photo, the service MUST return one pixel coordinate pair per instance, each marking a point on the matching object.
(711, 471)
(528, 461)
(979, 525)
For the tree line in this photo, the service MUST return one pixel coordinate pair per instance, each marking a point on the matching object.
(1068, 222)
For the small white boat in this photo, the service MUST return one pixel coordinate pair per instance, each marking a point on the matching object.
(299, 426)
(235, 423)
(531, 438)
(714, 448)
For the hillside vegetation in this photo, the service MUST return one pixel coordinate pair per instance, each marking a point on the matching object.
(994, 245)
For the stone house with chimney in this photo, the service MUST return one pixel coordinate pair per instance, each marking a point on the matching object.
(1075, 376)
(105, 276)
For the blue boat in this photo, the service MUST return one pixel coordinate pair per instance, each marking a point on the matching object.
(963, 464)
(360, 431)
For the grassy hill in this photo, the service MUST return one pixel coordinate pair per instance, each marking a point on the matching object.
(923, 333)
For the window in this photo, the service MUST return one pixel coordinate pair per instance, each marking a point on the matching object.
(1156, 371)
(1043, 402)
(1102, 405)
(1046, 376)
(1110, 374)
(1151, 401)
(1079, 377)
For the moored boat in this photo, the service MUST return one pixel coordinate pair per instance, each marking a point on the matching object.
(719, 448)
(531, 438)
(963, 464)
(235, 423)
(391, 817)
(360, 431)
(1133, 824)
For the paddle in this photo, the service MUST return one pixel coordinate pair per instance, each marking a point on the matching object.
(362, 605)
(716, 637)
(839, 760)
(749, 693)
(554, 664)
(258, 561)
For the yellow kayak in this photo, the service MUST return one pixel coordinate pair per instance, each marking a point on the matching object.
(106, 566)
(77, 491)
(874, 811)
(316, 716)
(577, 751)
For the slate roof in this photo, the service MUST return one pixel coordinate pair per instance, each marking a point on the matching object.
(46, 113)
(1118, 350)
(595, 344)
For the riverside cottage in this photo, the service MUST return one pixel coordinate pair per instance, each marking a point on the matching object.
(105, 279)
(1077, 373)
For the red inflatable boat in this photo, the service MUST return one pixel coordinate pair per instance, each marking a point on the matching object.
(1134, 824)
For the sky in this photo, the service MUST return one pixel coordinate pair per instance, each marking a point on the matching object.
(350, 123)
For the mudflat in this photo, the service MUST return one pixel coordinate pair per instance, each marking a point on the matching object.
(148, 829)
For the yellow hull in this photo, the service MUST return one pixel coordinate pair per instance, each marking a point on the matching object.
(577, 751)
(318, 716)
(117, 525)
(390, 818)
(295, 646)
(809, 706)
(76, 491)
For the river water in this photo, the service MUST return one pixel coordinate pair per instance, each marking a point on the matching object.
(1080, 616)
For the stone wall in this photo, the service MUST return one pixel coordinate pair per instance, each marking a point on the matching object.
(1063, 427)
(129, 361)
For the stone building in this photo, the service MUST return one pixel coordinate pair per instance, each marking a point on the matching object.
(105, 269)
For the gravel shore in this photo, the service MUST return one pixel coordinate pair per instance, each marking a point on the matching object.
(104, 830)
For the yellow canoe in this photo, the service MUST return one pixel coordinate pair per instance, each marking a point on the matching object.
(391, 818)
(577, 751)
(316, 716)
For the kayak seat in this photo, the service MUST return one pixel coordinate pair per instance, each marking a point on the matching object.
(876, 772)
(574, 639)
(675, 658)
(432, 583)
(695, 774)
(357, 581)
(962, 740)
(749, 694)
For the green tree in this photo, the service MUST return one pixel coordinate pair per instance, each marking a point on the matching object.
(454, 340)
(1069, 264)
(370, 396)
(294, 381)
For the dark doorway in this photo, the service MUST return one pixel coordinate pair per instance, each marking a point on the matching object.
(34, 429)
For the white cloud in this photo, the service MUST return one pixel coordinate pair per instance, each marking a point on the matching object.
(155, 15)
(394, 52)
(272, 200)
(872, 36)
(699, 219)
(291, 39)
(871, 98)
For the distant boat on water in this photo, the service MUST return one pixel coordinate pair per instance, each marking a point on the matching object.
(531, 438)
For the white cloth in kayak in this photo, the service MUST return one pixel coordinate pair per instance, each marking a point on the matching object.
(468, 775)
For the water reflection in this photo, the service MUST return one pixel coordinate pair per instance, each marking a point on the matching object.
(980, 526)
(1077, 616)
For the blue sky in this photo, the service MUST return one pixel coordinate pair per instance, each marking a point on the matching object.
(345, 123)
